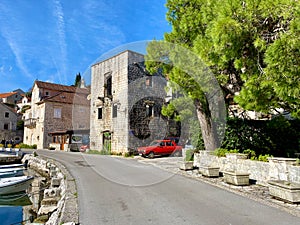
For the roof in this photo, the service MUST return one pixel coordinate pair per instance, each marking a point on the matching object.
(67, 98)
(5, 95)
(113, 55)
(60, 87)
(8, 108)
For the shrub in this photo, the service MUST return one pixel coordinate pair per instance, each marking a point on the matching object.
(251, 154)
(94, 152)
(264, 158)
(189, 155)
(221, 152)
(279, 136)
(22, 145)
(128, 154)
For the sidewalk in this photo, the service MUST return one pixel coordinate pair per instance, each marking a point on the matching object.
(254, 191)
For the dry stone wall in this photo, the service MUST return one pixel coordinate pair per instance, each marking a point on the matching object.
(261, 172)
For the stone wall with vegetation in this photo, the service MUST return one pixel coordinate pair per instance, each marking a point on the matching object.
(261, 172)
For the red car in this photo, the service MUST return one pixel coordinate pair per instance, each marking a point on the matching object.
(83, 148)
(160, 147)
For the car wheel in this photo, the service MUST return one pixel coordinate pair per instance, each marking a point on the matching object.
(151, 155)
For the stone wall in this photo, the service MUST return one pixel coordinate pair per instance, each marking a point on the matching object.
(59, 200)
(16, 135)
(261, 172)
(116, 68)
(138, 98)
(10, 120)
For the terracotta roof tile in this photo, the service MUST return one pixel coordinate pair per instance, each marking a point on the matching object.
(68, 98)
(5, 95)
(60, 87)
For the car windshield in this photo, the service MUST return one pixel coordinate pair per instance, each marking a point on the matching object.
(155, 143)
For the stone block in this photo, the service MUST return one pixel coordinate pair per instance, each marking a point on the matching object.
(284, 190)
(53, 173)
(45, 210)
(187, 165)
(236, 178)
(52, 193)
(55, 182)
(209, 171)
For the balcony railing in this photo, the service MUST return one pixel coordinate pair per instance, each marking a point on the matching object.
(30, 123)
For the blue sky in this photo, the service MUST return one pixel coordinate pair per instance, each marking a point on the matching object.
(53, 40)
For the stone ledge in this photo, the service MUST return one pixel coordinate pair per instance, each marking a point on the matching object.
(66, 209)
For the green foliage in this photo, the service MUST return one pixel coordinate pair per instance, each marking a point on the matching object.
(24, 108)
(264, 158)
(251, 154)
(196, 136)
(252, 44)
(77, 80)
(96, 152)
(221, 152)
(189, 155)
(128, 154)
(20, 125)
(278, 137)
(26, 146)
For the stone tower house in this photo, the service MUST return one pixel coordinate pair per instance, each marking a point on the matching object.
(126, 103)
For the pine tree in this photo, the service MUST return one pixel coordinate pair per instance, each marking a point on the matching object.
(77, 80)
(252, 47)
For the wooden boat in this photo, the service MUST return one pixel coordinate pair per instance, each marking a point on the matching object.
(15, 184)
(11, 172)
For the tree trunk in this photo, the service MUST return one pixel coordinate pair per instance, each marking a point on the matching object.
(208, 129)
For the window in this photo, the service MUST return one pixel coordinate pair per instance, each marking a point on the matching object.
(169, 143)
(156, 111)
(47, 93)
(108, 86)
(5, 126)
(115, 111)
(57, 112)
(99, 113)
(6, 114)
(149, 81)
(149, 110)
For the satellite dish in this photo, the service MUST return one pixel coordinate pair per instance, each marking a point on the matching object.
(89, 97)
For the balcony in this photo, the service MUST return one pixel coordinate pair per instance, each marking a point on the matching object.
(30, 123)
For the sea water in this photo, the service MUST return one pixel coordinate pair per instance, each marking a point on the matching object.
(11, 215)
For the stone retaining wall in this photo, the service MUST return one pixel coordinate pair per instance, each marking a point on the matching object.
(60, 199)
(261, 172)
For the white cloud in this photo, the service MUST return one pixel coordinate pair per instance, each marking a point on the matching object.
(60, 24)
(11, 34)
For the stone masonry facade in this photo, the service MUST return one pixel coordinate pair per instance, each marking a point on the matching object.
(55, 108)
(125, 104)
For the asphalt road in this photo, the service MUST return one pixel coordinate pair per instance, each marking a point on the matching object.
(114, 190)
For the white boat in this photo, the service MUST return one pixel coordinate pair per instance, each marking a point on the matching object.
(15, 184)
(20, 165)
(11, 172)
